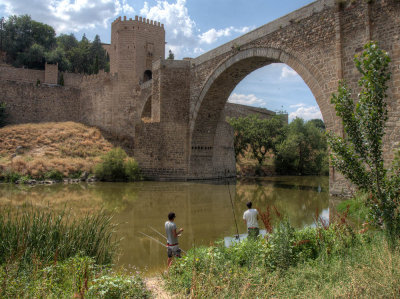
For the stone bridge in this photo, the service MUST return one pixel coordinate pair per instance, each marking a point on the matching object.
(186, 136)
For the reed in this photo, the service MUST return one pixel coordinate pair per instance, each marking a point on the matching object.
(29, 234)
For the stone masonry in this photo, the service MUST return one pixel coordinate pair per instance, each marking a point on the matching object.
(173, 111)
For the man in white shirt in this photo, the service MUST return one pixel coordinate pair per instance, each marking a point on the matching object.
(250, 217)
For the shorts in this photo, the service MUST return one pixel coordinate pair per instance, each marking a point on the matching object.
(174, 251)
(253, 232)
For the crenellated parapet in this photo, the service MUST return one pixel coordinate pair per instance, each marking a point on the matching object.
(139, 20)
(98, 78)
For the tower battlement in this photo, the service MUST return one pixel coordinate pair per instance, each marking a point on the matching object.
(137, 19)
(135, 44)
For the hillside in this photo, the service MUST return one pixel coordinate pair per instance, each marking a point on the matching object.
(36, 149)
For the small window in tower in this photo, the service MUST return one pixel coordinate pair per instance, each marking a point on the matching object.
(148, 75)
(150, 49)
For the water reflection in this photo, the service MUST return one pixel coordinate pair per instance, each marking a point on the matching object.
(204, 210)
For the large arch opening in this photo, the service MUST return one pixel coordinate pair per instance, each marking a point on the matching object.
(211, 150)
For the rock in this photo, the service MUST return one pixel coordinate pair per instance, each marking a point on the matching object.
(19, 150)
(49, 182)
(84, 176)
(31, 182)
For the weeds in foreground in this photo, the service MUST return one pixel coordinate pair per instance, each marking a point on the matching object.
(305, 263)
(76, 277)
(33, 235)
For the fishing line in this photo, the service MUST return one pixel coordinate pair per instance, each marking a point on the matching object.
(234, 215)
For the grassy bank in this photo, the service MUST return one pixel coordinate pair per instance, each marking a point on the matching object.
(35, 150)
(50, 255)
(53, 151)
(321, 262)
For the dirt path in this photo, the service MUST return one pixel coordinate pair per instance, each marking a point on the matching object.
(156, 286)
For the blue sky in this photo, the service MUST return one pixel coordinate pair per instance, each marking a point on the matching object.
(192, 27)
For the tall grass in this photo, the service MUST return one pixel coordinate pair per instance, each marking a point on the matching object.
(325, 261)
(30, 234)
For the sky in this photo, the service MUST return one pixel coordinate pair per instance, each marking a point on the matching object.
(192, 27)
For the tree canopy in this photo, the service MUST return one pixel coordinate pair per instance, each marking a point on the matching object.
(30, 44)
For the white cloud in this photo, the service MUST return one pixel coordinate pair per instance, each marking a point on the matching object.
(127, 8)
(287, 72)
(306, 113)
(212, 35)
(297, 105)
(245, 99)
(182, 35)
(67, 15)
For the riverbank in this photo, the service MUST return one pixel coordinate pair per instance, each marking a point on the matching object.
(50, 151)
(310, 263)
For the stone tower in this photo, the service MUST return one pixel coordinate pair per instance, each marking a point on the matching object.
(134, 46)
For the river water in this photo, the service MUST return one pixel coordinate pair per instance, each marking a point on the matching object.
(203, 209)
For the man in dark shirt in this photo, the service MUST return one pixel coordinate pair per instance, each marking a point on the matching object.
(172, 238)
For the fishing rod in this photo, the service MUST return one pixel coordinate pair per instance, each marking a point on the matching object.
(154, 239)
(234, 215)
(153, 229)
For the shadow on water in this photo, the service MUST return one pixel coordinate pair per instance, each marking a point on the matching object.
(203, 209)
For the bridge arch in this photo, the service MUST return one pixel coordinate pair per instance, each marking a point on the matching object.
(210, 154)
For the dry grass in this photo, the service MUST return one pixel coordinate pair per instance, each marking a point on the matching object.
(67, 147)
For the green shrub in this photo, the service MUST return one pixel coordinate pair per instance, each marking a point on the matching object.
(78, 276)
(132, 170)
(116, 166)
(117, 286)
(54, 175)
(11, 176)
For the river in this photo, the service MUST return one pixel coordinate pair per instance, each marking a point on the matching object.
(203, 209)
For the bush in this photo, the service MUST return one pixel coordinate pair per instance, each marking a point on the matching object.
(76, 277)
(54, 175)
(11, 176)
(132, 170)
(116, 166)
(117, 286)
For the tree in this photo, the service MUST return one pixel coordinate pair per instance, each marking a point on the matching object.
(257, 135)
(171, 55)
(20, 34)
(359, 154)
(303, 149)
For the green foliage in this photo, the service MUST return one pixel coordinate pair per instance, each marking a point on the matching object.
(54, 175)
(356, 208)
(257, 268)
(29, 43)
(171, 55)
(117, 286)
(29, 234)
(259, 135)
(132, 170)
(10, 176)
(116, 166)
(303, 149)
(75, 277)
(359, 154)
(3, 114)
